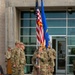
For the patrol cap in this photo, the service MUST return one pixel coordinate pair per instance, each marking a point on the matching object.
(21, 43)
(17, 42)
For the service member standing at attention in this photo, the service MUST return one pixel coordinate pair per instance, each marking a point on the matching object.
(51, 57)
(8, 61)
(35, 62)
(39, 62)
(22, 59)
(15, 57)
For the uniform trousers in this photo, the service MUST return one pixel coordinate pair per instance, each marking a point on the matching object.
(21, 70)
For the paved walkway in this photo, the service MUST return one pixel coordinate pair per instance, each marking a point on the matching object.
(54, 74)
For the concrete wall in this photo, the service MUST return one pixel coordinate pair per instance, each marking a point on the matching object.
(46, 2)
(12, 26)
(2, 33)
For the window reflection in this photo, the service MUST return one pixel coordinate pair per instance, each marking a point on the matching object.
(56, 23)
(28, 59)
(25, 14)
(28, 40)
(28, 69)
(25, 23)
(56, 14)
(70, 69)
(71, 22)
(28, 31)
(71, 40)
(71, 15)
(70, 59)
(57, 31)
(30, 50)
(71, 50)
(71, 31)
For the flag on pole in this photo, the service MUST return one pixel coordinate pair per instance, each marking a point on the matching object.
(39, 26)
(46, 35)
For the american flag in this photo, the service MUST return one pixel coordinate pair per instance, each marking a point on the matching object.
(39, 28)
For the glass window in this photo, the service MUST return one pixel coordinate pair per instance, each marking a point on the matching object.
(28, 69)
(28, 59)
(57, 31)
(30, 50)
(25, 14)
(28, 31)
(71, 14)
(71, 50)
(70, 70)
(71, 31)
(56, 23)
(25, 23)
(29, 40)
(33, 23)
(71, 22)
(71, 40)
(33, 15)
(28, 23)
(55, 14)
(25, 31)
(70, 59)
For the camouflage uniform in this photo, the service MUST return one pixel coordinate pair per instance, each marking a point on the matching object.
(15, 58)
(51, 56)
(8, 54)
(42, 61)
(22, 62)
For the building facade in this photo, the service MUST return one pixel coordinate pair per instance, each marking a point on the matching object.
(20, 24)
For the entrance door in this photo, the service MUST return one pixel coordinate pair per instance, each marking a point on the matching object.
(59, 44)
(61, 54)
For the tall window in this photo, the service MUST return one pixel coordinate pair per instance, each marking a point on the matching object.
(70, 40)
(28, 36)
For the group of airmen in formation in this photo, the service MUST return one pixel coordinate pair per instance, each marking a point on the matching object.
(42, 60)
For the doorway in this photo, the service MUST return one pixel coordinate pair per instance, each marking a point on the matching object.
(59, 44)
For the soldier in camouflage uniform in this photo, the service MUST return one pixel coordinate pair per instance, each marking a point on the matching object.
(15, 57)
(40, 62)
(22, 59)
(51, 56)
(8, 60)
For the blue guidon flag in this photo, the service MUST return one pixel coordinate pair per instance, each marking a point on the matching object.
(46, 35)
